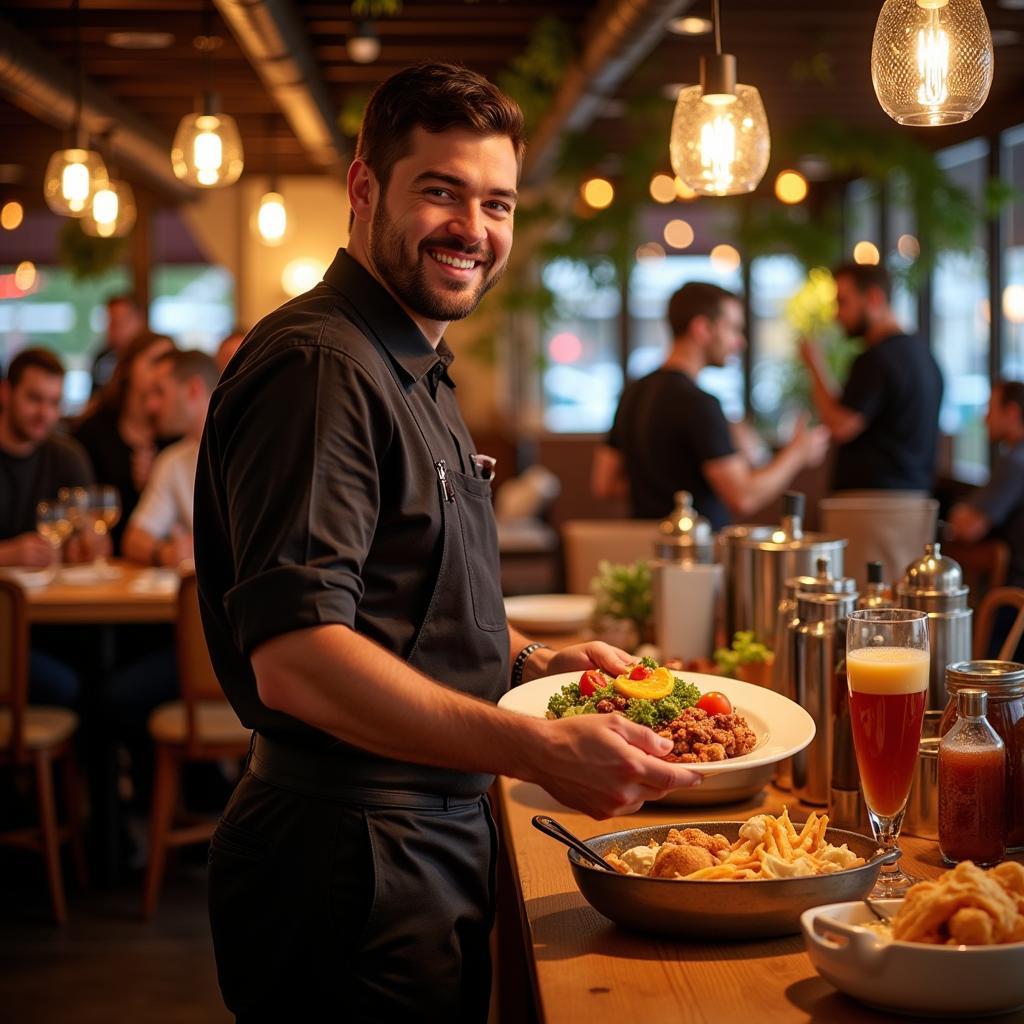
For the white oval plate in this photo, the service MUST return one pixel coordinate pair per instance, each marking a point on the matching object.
(782, 727)
(29, 579)
(549, 613)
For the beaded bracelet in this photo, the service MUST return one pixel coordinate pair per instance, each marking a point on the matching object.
(521, 659)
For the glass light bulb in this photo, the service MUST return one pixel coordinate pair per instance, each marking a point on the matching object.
(932, 60)
(111, 213)
(720, 149)
(72, 177)
(207, 150)
(272, 219)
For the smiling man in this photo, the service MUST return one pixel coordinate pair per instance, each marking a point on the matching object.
(348, 574)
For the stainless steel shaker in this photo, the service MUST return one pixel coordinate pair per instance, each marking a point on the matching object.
(786, 623)
(934, 584)
(685, 535)
(757, 561)
(819, 661)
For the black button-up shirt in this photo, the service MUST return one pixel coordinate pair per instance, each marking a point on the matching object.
(335, 485)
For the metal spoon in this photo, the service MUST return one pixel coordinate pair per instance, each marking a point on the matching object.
(882, 914)
(555, 829)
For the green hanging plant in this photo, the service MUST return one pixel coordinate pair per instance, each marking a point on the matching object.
(350, 117)
(86, 256)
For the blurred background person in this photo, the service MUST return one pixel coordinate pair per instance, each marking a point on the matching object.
(228, 347)
(125, 320)
(35, 463)
(669, 435)
(885, 421)
(998, 507)
(117, 430)
(160, 529)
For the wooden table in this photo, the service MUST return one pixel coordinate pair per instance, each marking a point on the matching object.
(584, 968)
(126, 599)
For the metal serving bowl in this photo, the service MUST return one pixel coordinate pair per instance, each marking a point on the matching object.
(747, 909)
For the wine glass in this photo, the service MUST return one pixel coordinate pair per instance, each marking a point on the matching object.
(887, 665)
(104, 512)
(53, 524)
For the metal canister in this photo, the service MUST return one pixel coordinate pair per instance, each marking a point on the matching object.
(786, 623)
(934, 584)
(819, 663)
(922, 816)
(758, 560)
(875, 593)
(685, 536)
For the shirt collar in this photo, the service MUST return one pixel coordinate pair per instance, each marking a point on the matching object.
(391, 325)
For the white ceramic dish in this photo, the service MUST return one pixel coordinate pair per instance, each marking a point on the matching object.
(911, 977)
(30, 579)
(87, 574)
(549, 613)
(782, 729)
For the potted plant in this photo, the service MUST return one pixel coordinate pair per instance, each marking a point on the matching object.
(746, 659)
(622, 612)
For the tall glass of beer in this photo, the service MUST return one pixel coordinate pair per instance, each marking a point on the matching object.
(887, 663)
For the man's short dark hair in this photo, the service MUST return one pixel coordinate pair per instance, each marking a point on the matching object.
(694, 299)
(34, 358)
(436, 97)
(190, 362)
(865, 276)
(1011, 391)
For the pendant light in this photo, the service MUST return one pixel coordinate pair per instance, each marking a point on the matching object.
(111, 211)
(270, 222)
(74, 175)
(932, 60)
(207, 148)
(720, 143)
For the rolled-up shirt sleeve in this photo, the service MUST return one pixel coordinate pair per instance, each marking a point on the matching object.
(300, 467)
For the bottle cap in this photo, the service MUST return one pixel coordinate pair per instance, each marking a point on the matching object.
(875, 572)
(971, 703)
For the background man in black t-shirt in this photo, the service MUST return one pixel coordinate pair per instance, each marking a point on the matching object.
(669, 435)
(886, 420)
(35, 463)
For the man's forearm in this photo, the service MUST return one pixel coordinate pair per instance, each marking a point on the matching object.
(344, 684)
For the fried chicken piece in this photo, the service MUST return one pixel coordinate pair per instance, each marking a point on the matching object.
(675, 861)
(616, 862)
(970, 926)
(695, 837)
(709, 752)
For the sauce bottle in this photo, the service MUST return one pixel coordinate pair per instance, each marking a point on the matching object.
(972, 784)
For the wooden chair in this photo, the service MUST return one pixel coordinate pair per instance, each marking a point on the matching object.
(984, 619)
(40, 737)
(985, 564)
(200, 727)
(585, 542)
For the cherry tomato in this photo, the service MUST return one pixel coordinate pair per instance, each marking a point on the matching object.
(591, 681)
(639, 672)
(715, 703)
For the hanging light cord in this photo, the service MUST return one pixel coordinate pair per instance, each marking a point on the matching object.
(716, 17)
(76, 126)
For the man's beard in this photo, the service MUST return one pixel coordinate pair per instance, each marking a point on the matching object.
(21, 431)
(408, 280)
(859, 329)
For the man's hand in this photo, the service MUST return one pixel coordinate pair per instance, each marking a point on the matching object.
(604, 765)
(29, 550)
(578, 658)
(811, 442)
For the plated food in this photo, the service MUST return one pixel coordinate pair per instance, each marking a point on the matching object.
(955, 947)
(767, 847)
(699, 908)
(703, 727)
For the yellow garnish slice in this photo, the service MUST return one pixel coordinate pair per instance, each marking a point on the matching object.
(657, 685)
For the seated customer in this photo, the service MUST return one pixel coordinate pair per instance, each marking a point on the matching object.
(998, 507)
(117, 431)
(35, 462)
(160, 530)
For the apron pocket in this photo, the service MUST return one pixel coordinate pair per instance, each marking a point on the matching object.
(480, 549)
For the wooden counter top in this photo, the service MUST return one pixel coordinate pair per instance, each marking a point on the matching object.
(584, 968)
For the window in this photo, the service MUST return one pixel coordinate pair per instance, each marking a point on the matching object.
(193, 304)
(960, 325)
(1013, 259)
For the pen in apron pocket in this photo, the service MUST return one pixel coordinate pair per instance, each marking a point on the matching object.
(484, 465)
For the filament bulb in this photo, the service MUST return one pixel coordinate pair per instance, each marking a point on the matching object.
(718, 151)
(933, 63)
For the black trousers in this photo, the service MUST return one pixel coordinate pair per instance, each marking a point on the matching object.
(324, 910)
